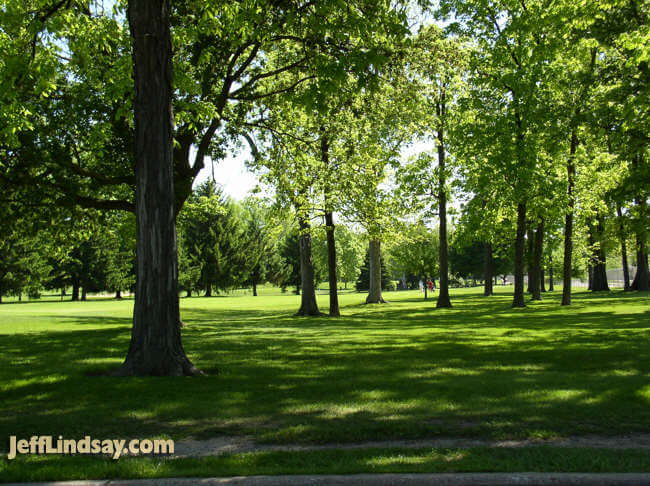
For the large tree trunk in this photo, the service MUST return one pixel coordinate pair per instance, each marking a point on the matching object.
(155, 347)
(118, 294)
(443, 294)
(374, 271)
(518, 298)
(537, 261)
(308, 305)
(640, 281)
(84, 294)
(331, 265)
(208, 290)
(621, 230)
(488, 270)
(568, 223)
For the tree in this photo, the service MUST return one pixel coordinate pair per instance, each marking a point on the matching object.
(260, 235)
(156, 347)
(364, 280)
(415, 252)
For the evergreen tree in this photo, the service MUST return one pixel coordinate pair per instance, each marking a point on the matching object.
(363, 282)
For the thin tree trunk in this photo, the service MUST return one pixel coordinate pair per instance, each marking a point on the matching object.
(426, 288)
(155, 347)
(568, 223)
(488, 270)
(83, 294)
(331, 265)
(621, 228)
(550, 274)
(537, 261)
(542, 279)
(642, 277)
(189, 293)
(308, 305)
(530, 256)
(374, 271)
(330, 229)
(75, 291)
(208, 290)
(518, 298)
(443, 295)
(254, 288)
(599, 282)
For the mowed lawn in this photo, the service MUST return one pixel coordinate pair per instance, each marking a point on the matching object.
(402, 370)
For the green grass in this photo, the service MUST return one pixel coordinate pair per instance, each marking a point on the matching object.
(534, 459)
(397, 371)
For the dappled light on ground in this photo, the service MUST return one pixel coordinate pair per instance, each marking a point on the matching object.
(403, 370)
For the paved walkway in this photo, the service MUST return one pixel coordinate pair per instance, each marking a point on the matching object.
(464, 479)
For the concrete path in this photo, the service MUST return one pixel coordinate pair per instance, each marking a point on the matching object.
(461, 479)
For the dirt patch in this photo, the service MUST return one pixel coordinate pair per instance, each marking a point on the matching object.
(231, 445)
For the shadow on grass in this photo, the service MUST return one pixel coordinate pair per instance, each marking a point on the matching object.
(401, 371)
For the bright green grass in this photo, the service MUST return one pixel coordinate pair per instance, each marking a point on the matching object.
(397, 371)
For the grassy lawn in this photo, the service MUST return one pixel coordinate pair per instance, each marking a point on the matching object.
(398, 371)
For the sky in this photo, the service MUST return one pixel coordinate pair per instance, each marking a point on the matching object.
(231, 173)
(237, 181)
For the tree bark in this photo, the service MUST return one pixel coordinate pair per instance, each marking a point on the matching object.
(254, 288)
(329, 227)
(518, 298)
(118, 294)
(426, 288)
(208, 290)
(374, 271)
(568, 222)
(599, 275)
(550, 275)
(75, 291)
(621, 229)
(642, 276)
(488, 270)
(155, 347)
(308, 305)
(443, 293)
(331, 265)
(83, 294)
(537, 261)
(530, 255)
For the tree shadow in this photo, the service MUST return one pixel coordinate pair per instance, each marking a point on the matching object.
(403, 371)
